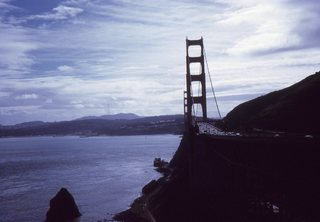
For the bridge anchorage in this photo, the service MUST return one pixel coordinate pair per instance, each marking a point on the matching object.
(195, 75)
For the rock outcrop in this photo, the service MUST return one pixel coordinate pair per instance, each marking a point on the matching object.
(63, 208)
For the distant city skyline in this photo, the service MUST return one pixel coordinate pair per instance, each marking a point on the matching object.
(65, 59)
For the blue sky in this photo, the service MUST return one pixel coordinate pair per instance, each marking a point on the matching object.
(63, 59)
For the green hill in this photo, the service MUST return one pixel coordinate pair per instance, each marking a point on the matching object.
(294, 109)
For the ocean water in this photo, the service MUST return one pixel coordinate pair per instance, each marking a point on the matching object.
(104, 174)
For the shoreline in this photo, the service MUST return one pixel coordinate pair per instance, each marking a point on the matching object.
(233, 180)
(89, 136)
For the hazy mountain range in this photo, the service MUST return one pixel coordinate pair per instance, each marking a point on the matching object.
(119, 124)
(127, 116)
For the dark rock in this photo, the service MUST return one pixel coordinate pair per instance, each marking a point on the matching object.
(161, 166)
(128, 215)
(164, 170)
(151, 186)
(62, 207)
(158, 162)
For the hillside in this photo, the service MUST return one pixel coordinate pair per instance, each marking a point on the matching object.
(169, 124)
(127, 116)
(294, 109)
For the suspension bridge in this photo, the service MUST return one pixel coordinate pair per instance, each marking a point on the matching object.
(197, 75)
(195, 98)
(261, 175)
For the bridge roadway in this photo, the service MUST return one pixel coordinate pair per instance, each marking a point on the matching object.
(207, 128)
(211, 130)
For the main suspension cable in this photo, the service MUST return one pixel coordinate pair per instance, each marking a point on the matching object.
(214, 95)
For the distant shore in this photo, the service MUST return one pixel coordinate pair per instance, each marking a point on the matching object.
(169, 124)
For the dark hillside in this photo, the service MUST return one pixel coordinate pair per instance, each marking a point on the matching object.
(294, 109)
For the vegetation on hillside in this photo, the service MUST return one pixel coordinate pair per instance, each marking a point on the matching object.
(294, 109)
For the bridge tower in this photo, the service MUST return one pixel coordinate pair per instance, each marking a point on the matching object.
(196, 77)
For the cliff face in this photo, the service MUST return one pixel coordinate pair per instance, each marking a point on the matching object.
(235, 179)
(293, 109)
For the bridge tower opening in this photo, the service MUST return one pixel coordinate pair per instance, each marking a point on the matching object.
(195, 76)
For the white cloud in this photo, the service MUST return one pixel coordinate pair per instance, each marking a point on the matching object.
(65, 68)
(130, 54)
(26, 96)
(59, 13)
(16, 44)
(5, 6)
(271, 25)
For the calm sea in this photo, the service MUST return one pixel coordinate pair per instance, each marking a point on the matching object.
(104, 174)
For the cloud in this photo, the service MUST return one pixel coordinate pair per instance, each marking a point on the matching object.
(65, 68)
(308, 27)
(48, 101)
(86, 54)
(5, 6)
(280, 26)
(84, 97)
(16, 44)
(26, 96)
(4, 94)
(61, 12)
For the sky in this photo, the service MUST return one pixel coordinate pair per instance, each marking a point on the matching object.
(64, 59)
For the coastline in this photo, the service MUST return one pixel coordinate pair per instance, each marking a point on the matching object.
(228, 179)
(89, 136)
(158, 196)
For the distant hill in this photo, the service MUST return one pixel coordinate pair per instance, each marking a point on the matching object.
(127, 116)
(29, 124)
(294, 109)
(169, 124)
